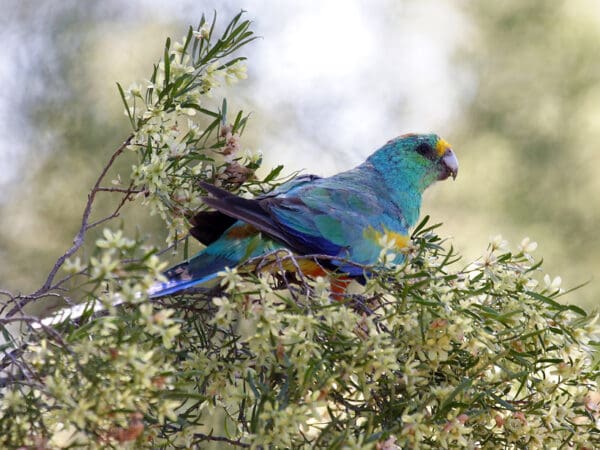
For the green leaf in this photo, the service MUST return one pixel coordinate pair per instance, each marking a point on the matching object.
(186, 44)
(122, 93)
(273, 174)
(546, 300)
(167, 64)
(224, 113)
(204, 111)
(186, 248)
(449, 401)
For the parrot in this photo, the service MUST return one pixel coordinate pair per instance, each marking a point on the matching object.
(344, 216)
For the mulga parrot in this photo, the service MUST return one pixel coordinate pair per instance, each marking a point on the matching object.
(343, 216)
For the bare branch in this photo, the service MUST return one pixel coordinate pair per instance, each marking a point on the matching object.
(117, 210)
(7, 293)
(79, 238)
(206, 437)
(20, 301)
(122, 190)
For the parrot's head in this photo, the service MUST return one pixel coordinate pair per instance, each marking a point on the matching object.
(416, 159)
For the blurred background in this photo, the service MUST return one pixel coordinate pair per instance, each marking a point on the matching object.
(513, 85)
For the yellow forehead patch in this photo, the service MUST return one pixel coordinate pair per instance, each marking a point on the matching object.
(441, 147)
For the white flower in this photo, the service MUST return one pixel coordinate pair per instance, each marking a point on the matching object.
(388, 444)
(73, 266)
(135, 90)
(235, 73)
(527, 245)
(64, 436)
(177, 47)
(552, 284)
(209, 80)
(202, 33)
(498, 243)
(230, 278)
(114, 240)
(251, 157)
(103, 268)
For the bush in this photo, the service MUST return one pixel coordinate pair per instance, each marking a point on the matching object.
(428, 354)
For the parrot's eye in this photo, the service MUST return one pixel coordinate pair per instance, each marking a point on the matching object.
(426, 150)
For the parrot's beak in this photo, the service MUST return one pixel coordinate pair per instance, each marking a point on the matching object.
(449, 165)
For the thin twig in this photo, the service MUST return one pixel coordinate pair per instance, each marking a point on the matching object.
(117, 210)
(122, 190)
(7, 293)
(79, 238)
(20, 301)
(63, 280)
(206, 437)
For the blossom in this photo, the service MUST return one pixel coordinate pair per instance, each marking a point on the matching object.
(527, 246)
(134, 90)
(229, 278)
(498, 243)
(114, 240)
(388, 444)
(73, 266)
(203, 32)
(103, 267)
(552, 284)
(235, 73)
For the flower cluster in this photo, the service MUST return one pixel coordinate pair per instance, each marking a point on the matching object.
(180, 136)
(92, 380)
(422, 356)
(115, 266)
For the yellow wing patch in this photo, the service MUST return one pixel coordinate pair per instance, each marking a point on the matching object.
(441, 146)
(387, 238)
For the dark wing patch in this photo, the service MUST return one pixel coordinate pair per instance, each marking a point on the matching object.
(258, 213)
(248, 211)
(208, 226)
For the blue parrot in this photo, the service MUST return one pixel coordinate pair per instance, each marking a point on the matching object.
(343, 216)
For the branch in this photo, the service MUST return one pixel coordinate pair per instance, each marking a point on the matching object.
(206, 437)
(122, 190)
(79, 238)
(21, 300)
(117, 210)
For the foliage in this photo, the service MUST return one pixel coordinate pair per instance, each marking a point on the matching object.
(175, 150)
(427, 354)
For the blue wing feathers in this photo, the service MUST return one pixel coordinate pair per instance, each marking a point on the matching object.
(309, 216)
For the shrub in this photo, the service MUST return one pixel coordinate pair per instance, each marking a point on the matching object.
(427, 354)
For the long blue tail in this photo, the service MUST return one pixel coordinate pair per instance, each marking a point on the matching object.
(200, 269)
(237, 244)
(174, 286)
